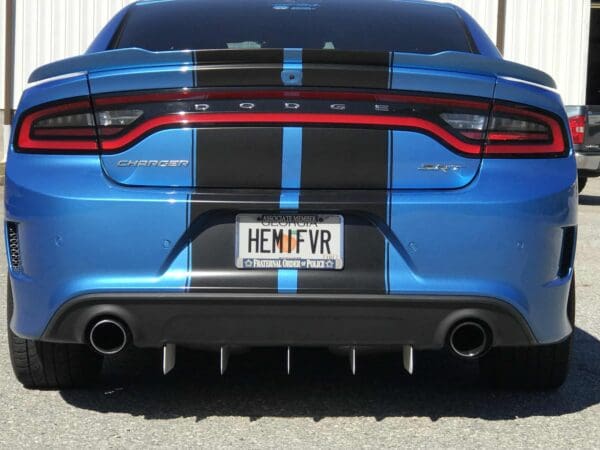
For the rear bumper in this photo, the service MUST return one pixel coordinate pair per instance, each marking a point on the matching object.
(297, 320)
(506, 236)
(588, 165)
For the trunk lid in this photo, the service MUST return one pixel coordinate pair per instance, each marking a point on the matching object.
(309, 119)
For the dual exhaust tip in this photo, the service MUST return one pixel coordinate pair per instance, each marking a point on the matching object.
(467, 339)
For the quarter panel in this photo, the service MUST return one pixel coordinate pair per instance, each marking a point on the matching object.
(80, 233)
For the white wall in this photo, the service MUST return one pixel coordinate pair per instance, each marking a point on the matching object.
(2, 48)
(48, 30)
(552, 35)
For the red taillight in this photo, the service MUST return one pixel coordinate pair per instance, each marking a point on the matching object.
(63, 128)
(577, 126)
(120, 121)
(521, 132)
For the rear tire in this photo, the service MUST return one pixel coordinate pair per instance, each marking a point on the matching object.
(582, 181)
(45, 365)
(541, 367)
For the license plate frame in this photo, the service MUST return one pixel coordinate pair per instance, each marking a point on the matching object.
(295, 252)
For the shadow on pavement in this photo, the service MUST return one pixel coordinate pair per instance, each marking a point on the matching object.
(589, 200)
(321, 385)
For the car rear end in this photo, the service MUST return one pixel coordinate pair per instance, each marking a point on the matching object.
(295, 186)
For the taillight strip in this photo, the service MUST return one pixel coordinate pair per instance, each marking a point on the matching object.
(195, 119)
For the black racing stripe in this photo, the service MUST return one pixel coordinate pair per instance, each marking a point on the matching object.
(346, 57)
(348, 158)
(238, 68)
(239, 157)
(366, 78)
(213, 240)
(369, 70)
(344, 158)
(248, 56)
(239, 76)
(364, 242)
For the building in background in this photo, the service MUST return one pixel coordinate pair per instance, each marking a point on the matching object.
(593, 75)
(551, 35)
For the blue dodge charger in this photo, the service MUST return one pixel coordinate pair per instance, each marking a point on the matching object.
(344, 174)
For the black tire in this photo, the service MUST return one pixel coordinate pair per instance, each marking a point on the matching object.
(582, 181)
(541, 367)
(44, 365)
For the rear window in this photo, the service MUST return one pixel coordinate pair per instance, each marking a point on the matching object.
(385, 25)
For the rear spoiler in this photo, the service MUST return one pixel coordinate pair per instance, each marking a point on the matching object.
(445, 61)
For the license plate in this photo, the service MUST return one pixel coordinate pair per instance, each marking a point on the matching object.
(289, 241)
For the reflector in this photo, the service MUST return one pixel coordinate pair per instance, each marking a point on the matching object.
(577, 126)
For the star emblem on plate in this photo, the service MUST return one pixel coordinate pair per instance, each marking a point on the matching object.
(248, 263)
(330, 264)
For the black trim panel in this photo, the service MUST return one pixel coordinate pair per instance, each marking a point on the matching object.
(209, 319)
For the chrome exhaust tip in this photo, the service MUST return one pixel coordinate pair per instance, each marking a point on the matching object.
(108, 336)
(469, 339)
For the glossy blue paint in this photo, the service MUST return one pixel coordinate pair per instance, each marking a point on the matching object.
(412, 152)
(291, 164)
(74, 86)
(513, 90)
(287, 281)
(291, 173)
(441, 81)
(502, 234)
(81, 233)
(147, 78)
(110, 60)
(291, 74)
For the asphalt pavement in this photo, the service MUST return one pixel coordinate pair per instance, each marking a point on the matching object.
(321, 405)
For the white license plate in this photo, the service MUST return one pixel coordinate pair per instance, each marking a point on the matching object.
(289, 241)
